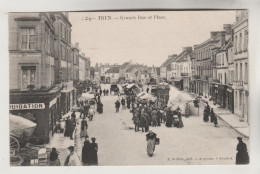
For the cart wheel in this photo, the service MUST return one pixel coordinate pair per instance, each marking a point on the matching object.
(14, 144)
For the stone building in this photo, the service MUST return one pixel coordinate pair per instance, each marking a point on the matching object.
(33, 71)
(241, 66)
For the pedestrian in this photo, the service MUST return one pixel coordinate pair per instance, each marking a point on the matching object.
(242, 156)
(86, 109)
(67, 127)
(73, 117)
(123, 103)
(212, 115)
(72, 159)
(180, 124)
(169, 117)
(147, 90)
(107, 91)
(117, 105)
(150, 138)
(100, 92)
(84, 127)
(99, 107)
(93, 152)
(86, 153)
(72, 128)
(159, 117)
(154, 117)
(54, 160)
(104, 92)
(205, 115)
(91, 114)
(136, 120)
(215, 119)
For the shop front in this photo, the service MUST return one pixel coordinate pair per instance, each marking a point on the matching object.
(68, 97)
(230, 99)
(41, 107)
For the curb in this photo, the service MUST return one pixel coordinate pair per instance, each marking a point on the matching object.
(246, 136)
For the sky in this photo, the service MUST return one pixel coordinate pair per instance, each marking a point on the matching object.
(144, 37)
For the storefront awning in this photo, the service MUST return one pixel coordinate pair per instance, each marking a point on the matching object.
(66, 90)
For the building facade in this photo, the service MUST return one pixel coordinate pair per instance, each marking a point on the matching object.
(34, 90)
(241, 66)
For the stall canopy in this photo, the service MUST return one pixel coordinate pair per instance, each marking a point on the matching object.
(124, 85)
(86, 96)
(19, 125)
(148, 97)
(142, 94)
(179, 101)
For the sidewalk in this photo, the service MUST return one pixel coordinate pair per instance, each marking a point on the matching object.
(229, 118)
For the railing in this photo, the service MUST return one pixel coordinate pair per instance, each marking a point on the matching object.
(184, 74)
(196, 76)
(205, 77)
(238, 83)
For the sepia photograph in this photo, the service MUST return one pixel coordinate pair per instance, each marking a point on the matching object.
(129, 88)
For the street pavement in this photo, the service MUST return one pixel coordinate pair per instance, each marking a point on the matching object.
(196, 143)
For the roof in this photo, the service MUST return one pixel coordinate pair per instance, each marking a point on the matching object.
(168, 61)
(131, 67)
(124, 65)
(158, 71)
(113, 69)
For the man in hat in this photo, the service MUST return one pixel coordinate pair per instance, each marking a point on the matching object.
(242, 154)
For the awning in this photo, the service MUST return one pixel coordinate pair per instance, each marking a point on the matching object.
(67, 90)
(176, 80)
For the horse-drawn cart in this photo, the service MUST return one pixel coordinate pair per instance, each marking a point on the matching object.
(20, 131)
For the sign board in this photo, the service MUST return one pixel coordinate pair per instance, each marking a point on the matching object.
(26, 106)
(52, 102)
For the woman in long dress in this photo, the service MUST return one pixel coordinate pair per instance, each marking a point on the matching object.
(84, 127)
(86, 153)
(150, 138)
(180, 124)
(93, 152)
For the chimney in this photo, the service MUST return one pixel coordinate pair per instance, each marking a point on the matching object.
(188, 49)
(227, 28)
(213, 33)
(77, 45)
(67, 14)
(223, 37)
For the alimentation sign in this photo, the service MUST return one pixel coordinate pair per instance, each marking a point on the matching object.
(26, 106)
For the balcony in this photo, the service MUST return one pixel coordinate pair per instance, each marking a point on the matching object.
(204, 77)
(196, 77)
(184, 74)
(238, 85)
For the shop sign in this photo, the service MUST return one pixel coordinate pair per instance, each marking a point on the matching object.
(52, 102)
(26, 106)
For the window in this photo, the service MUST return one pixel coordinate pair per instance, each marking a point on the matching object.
(235, 99)
(240, 100)
(241, 72)
(28, 38)
(236, 71)
(245, 45)
(235, 44)
(28, 76)
(240, 43)
(246, 74)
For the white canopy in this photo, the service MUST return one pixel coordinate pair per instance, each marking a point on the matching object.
(18, 125)
(86, 96)
(124, 84)
(130, 85)
(148, 97)
(163, 83)
(142, 94)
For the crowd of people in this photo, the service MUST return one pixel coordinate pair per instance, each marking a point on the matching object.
(77, 130)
